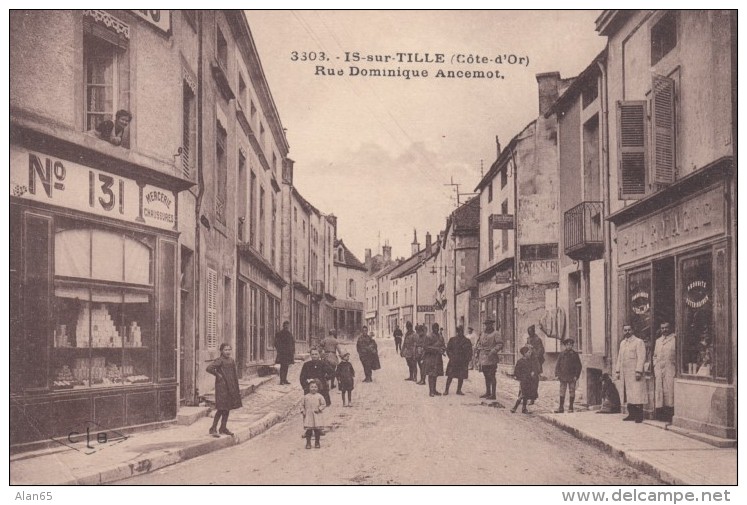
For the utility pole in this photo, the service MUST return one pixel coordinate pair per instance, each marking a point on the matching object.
(458, 193)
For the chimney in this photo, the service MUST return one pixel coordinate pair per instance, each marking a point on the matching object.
(497, 147)
(368, 257)
(332, 219)
(415, 244)
(428, 241)
(387, 251)
(547, 84)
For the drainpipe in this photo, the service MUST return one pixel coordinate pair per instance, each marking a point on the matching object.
(198, 205)
(453, 265)
(515, 276)
(605, 223)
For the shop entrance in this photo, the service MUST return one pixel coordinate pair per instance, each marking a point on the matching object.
(664, 301)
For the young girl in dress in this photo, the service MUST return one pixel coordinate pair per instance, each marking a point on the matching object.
(345, 377)
(313, 408)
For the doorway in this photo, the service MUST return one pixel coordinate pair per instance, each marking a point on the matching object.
(664, 301)
(240, 329)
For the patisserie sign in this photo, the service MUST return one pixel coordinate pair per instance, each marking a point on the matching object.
(46, 179)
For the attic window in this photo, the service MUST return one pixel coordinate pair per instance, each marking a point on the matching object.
(340, 255)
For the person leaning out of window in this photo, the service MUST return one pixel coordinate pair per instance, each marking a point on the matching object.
(115, 132)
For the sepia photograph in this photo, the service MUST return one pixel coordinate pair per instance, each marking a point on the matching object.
(373, 247)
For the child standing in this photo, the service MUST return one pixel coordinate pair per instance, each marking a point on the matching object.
(313, 408)
(526, 372)
(227, 394)
(345, 377)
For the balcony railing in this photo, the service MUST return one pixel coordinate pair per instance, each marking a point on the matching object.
(584, 238)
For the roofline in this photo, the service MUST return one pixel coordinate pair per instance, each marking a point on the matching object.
(502, 158)
(577, 84)
(242, 24)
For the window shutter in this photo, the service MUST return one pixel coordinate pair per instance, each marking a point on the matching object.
(662, 117)
(632, 146)
(212, 309)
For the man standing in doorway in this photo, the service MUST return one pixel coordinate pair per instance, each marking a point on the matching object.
(488, 348)
(665, 366)
(629, 370)
(285, 351)
(397, 339)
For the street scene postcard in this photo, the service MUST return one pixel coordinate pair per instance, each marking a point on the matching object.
(375, 247)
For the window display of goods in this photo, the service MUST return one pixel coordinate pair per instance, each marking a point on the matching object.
(137, 379)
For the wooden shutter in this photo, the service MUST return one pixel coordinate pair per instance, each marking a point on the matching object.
(632, 143)
(212, 309)
(662, 119)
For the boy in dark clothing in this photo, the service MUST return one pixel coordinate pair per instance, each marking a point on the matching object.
(568, 370)
(526, 371)
(346, 378)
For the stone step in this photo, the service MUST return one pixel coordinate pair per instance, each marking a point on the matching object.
(189, 415)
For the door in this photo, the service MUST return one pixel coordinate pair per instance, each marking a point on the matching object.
(241, 328)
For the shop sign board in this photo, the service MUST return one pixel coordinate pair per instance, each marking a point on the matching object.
(502, 221)
(160, 18)
(696, 218)
(538, 272)
(45, 179)
(426, 308)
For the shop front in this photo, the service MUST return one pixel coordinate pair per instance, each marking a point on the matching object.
(674, 267)
(258, 315)
(93, 307)
(497, 304)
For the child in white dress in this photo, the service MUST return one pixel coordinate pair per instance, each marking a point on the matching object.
(313, 414)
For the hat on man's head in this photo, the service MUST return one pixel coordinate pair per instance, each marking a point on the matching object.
(489, 321)
(569, 341)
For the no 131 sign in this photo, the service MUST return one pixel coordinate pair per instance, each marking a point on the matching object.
(63, 183)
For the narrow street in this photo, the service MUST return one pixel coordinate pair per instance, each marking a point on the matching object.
(396, 434)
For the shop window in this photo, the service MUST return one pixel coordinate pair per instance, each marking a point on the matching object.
(697, 339)
(639, 303)
(103, 331)
(107, 74)
(663, 36)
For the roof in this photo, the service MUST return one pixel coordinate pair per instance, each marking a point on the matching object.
(386, 270)
(577, 85)
(466, 218)
(305, 203)
(502, 158)
(349, 259)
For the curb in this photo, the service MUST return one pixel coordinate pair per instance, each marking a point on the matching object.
(122, 471)
(635, 461)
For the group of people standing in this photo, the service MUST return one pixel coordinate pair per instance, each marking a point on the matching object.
(632, 363)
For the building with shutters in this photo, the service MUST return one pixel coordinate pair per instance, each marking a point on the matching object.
(518, 259)
(99, 230)
(349, 277)
(583, 283)
(671, 98)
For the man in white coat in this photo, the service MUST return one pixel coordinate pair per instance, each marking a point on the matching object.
(665, 366)
(629, 370)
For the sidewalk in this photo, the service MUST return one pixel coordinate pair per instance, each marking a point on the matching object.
(650, 446)
(268, 404)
